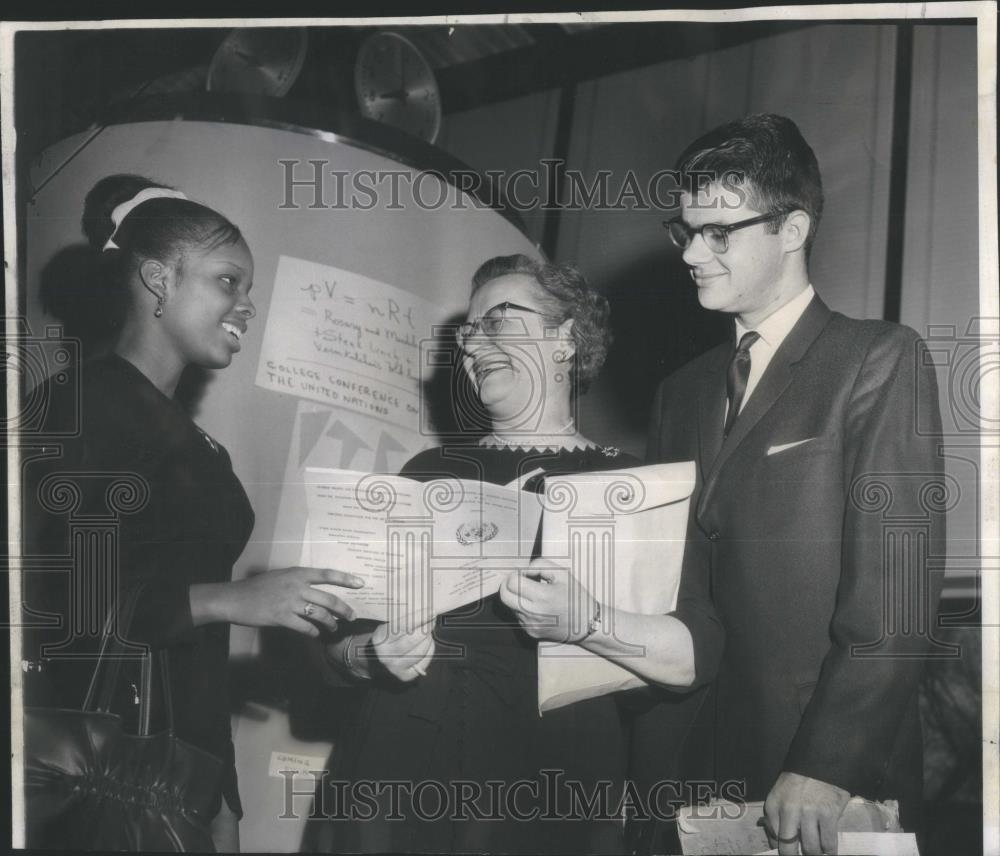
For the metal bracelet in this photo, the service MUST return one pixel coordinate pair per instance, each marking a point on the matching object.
(350, 664)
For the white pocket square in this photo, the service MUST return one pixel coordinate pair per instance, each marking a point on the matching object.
(784, 447)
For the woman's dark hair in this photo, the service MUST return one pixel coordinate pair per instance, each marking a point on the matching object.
(161, 228)
(565, 293)
(157, 228)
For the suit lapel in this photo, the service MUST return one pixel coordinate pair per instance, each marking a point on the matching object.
(778, 375)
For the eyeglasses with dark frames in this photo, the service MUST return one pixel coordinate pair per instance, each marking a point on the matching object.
(494, 322)
(716, 235)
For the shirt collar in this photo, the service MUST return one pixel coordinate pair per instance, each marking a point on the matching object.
(778, 324)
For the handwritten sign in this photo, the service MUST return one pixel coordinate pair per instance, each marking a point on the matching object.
(283, 763)
(344, 340)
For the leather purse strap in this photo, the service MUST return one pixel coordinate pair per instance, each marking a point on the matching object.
(110, 655)
(161, 658)
(108, 668)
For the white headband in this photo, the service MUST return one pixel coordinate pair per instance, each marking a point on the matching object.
(122, 211)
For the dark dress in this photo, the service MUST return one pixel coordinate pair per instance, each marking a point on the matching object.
(179, 517)
(473, 720)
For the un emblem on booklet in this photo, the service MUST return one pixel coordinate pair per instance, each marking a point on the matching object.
(476, 533)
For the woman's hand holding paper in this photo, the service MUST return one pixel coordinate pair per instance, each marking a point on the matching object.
(548, 602)
(405, 653)
(287, 597)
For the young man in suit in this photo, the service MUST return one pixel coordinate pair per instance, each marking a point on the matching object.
(813, 432)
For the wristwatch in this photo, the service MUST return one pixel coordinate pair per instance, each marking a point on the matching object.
(349, 663)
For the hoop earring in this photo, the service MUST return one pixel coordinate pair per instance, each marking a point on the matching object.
(158, 312)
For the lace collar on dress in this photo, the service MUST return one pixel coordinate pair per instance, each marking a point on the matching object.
(540, 442)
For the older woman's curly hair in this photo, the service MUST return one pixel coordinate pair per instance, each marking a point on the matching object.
(565, 293)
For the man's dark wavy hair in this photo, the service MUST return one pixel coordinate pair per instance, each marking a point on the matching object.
(766, 157)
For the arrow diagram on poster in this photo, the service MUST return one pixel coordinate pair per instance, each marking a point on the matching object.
(350, 443)
(311, 427)
(386, 444)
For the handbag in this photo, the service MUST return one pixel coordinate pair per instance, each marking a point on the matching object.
(91, 785)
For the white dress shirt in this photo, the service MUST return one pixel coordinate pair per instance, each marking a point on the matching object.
(772, 331)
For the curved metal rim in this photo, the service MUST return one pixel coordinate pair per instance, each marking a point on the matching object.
(278, 114)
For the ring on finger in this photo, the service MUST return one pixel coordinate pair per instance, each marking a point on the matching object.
(791, 840)
(308, 610)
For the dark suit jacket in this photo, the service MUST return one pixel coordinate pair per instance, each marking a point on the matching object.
(812, 523)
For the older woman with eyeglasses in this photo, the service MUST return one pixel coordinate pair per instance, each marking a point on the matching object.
(449, 736)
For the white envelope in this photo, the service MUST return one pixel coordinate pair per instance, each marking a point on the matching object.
(623, 534)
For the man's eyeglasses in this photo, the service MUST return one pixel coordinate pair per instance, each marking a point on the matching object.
(716, 235)
(494, 322)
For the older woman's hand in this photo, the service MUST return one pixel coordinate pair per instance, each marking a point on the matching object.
(405, 654)
(548, 602)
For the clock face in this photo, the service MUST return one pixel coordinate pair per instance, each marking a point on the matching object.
(258, 61)
(395, 85)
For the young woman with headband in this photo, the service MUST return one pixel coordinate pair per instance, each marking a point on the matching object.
(183, 275)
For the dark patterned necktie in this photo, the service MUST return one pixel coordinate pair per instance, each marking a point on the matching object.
(736, 378)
